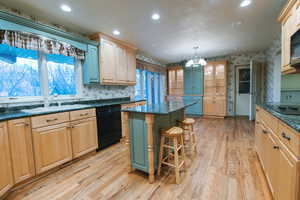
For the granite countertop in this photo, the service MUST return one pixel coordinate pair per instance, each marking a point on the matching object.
(30, 111)
(162, 108)
(291, 120)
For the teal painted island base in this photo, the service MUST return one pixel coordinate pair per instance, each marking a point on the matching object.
(142, 131)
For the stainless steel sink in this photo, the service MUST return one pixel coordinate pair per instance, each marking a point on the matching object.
(54, 108)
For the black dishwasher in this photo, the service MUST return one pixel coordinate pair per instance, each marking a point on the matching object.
(109, 125)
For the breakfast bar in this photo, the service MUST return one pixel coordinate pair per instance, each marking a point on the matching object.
(142, 125)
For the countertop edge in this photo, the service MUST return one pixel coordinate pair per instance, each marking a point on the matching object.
(20, 114)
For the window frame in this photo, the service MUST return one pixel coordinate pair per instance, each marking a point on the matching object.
(43, 77)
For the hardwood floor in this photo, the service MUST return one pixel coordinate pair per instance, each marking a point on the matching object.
(226, 167)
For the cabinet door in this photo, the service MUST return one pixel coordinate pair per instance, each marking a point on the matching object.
(108, 61)
(195, 109)
(121, 67)
(52, 146)
(271, 160)
(208, 105)
(286, 42)
(84, 136)
(209, 80)
(219, 108)
(21, 149)
(188, 81)
(198, 81)
(288, 176)
(91, 66)
(131, 64)
(6, 177)
(220, 78)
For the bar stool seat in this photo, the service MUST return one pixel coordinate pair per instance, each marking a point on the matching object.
(188, 121)
(172, 150)
(187, 125)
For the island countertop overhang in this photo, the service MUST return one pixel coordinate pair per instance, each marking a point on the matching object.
(163, 108)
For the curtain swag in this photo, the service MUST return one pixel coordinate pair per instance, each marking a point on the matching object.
(38, 43)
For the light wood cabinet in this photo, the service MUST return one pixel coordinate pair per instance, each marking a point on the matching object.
(288, 176)
(175, 81)
(6, 176)
(290, 20)
(280, 164)
(20, 139)
(215, 89)
(117, 61)
(52, 146)
(84, 136)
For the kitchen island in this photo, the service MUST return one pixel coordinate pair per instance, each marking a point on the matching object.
(142, 125)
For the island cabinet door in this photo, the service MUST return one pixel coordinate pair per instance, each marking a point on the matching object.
(138, 135)
(21, 149)
(84, 136)
(52, 146)
(6, 178)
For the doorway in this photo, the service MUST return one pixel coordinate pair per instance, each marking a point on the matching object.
(243, 81)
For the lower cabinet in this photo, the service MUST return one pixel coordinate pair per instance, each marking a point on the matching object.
(281, 166)
(6, 177)
(52, 146)
(21, 149)
(288, 176)
(195, 109)
(84, 136)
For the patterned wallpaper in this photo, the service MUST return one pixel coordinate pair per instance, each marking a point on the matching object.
(273, 71)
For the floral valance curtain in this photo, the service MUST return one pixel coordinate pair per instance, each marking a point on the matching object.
(39, 43)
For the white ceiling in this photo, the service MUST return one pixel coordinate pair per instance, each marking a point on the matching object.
(211, 24)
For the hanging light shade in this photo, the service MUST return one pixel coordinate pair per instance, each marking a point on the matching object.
(196, 60)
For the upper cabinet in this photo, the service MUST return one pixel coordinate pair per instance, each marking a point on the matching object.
(117, 61)
(91, 65)
(290, 24)
(175, 81)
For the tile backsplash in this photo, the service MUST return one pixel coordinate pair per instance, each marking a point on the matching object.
(290, 96)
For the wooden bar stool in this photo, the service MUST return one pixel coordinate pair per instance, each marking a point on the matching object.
(172, 141)
(188, 126)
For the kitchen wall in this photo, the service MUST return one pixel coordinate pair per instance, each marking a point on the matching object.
(273, 71)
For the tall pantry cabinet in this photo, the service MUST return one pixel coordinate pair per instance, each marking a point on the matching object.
(215, 89)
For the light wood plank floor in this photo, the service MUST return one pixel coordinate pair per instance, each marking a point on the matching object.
(226, 167)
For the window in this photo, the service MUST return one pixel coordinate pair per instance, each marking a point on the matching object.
(149, 86)
(19, 72)
(61, 75)
(22, 72)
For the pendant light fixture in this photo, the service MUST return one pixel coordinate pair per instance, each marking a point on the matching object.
(196, 60)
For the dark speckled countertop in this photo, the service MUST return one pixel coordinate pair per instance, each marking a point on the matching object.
(291, 120)
(163, 108)
(30, 111)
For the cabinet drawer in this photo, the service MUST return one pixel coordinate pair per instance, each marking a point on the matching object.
(47, 120)
(269, 120)
(82, 114)
(290, 138)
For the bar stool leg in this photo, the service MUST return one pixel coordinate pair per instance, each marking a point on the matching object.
(161, 152)
(177, 172)
(182, 149)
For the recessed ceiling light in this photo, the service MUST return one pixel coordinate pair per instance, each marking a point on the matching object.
(155, 16)
(116, 32)
(245, 3)
(66, 8)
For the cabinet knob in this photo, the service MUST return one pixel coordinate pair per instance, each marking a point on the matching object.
(276, 147)
(265, 132)
(285, 136)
